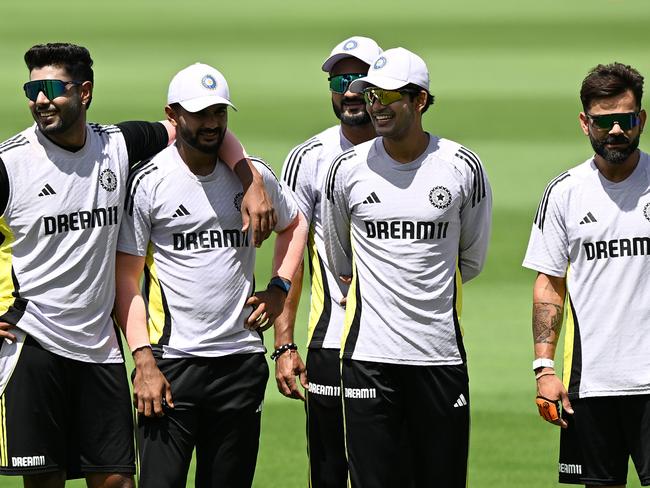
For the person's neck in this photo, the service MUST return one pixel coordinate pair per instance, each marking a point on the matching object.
(408, 148)
(357, 134)
(199, 163)
(617, 172)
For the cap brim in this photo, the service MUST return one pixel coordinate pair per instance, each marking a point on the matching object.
(198, 104)
(357, 86)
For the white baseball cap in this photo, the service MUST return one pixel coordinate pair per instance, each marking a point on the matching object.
(362, 48)
(393, 69)
(198, 86)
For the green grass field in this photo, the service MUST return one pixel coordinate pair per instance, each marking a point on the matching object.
(506, 76)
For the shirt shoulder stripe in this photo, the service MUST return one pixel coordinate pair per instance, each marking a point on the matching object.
(104, 129)
(13, 143)
(540, 216)
(134, 181)
(474, 163)
(331, 174)
(262, 162)
(290, 172)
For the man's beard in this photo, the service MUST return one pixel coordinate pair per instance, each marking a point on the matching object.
(359, 118)
(193, 140)
(615, 156)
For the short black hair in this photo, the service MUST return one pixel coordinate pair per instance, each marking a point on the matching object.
(74, 59)
(610, 80)
(414, 90)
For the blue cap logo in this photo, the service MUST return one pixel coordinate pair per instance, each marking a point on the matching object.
(209, 82)
(380, 63)
(350, 45)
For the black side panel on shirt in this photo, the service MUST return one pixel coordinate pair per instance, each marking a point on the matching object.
(143, 139)
(4, 187)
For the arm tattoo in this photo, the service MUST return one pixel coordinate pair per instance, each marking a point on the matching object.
(547, 322)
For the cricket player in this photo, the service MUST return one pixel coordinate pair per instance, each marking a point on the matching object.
(589, 245)
(194, 329)
(64, 396)
(407, 215)
(304, 171)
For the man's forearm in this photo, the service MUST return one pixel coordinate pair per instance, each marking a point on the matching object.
(285, 323)
(548, 312)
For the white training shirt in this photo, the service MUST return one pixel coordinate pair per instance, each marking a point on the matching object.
(304, 172)
(199, 265)
(59, 231)
(597, 234)
(406, 233)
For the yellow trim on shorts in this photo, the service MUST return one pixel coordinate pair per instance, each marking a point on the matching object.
(155, 309)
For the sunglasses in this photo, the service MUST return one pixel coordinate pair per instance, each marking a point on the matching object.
(385, 97)
(626, 121)
(51, 88)
(340, 83)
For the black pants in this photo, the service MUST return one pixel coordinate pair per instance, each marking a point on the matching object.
(217, 408)
(389, 408)
(328, 467)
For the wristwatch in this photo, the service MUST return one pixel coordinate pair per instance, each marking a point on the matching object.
(284, 285)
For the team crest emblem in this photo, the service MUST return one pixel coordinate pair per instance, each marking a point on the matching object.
(108, 180)
(380, 63)
(237, 200)
(350, 45)
(440, 197)
(646, 211)
(209, 82)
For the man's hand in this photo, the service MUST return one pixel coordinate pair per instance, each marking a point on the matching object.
(550, 387)
(287, 366)
(258, 214)
(268, 305)
(150, 387)
(5, 334)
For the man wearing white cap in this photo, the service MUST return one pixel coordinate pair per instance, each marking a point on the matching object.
(304, 171)
(195, 329)
(407, 215)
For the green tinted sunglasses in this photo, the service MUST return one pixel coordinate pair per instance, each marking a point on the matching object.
(340, 83)
(385, 97)
(626, 121)
(51, 88)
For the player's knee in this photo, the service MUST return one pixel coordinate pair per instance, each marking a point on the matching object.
(102, 480)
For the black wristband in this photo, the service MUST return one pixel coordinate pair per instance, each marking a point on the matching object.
(283, 284)
(282, 349)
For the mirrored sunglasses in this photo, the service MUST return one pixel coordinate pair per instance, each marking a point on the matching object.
(340, 83)
(385, 97)
(626, 121)
(50, 88)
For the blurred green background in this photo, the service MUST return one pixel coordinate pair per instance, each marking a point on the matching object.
(506, 75)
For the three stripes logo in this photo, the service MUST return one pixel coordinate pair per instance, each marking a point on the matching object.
(47, 191)
(181, 211)
(461, 402)
(372, 198)
(589, 219)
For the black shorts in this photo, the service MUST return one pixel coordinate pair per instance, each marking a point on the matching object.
(603, 434)
(389, 408)
(65, 415)
(328, 467)
(217, 409)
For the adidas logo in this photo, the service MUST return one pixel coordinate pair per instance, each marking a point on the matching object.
(589, 219)
(259, 409)
(47, 191)
(372, 198)
(461, 402)
(181, 211)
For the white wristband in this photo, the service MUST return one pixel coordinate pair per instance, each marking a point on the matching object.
(543, 363)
